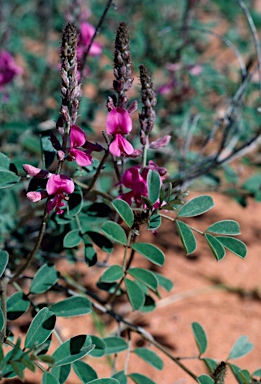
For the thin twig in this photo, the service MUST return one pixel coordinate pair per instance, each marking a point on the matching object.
(255, 36)
(109, 3)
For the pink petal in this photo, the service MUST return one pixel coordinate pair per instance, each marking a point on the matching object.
(36, 172)
(77, 136)
(114, 147)
(162, 142)
(96, 49)
(125, 145)
(36, 196)
(83, 159)
(58, 184)
(118, 121)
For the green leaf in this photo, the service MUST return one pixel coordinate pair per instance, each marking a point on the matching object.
(72, 239)
(84, 371)
(121, 377)
(7, 178)
(2, 319)
(196, 206)
(101, 241)
(135, 294)
(257, 373)
(200, 337)
(211, 364)
(236, 372)
(141, 379)
(186, 236)
(90, 255)
(100, 346)
(113, 273)
(150, 357)
(234, 245)
(153, 182)
(146, 277)
(215, 246)
(205, 379)
(40, 328)
(104, 381)
(16, 305)
(73, 306)
(150, 251)
(4, 257)
(225, 227)
(115, 344)
(114, 232)
(241, 348)
(44, 279)
(164, 282)
(245, 376)
(48, 378)
(73, 350)
(154, 222)
(124, 210)
(18, 368)
(4, 161)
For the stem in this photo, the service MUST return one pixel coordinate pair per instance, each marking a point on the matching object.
(127, 359)
(95, 177)
(31, 255)
(3, 285)
(109, 3)
(144, 153)
(125, 268)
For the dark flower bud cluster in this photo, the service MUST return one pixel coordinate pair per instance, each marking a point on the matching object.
(147, 116)
(122, 65)
(70, 89)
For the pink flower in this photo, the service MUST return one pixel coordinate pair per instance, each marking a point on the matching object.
(136, 180)
(78, 139)
(8, 68)
(86, 33)
(60, 186)
(119, 123)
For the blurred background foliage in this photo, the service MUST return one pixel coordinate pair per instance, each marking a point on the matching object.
(199, 51)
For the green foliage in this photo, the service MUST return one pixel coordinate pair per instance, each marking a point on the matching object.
(153, 181)
(196, 206)
(73, 306)
(114, 232)
(4, 257)
(151, 252)
(150, 357)
(72, 350)
(44, 279)
(200, 337)
(40, 328)
(124, 211)
(84, 371)
(186, 236)
(241, 348)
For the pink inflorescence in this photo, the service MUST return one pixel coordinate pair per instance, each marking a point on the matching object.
(136, 179)
(119, 123)
(57, 187)
(8, 68)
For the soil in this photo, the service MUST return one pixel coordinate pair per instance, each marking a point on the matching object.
(225, 314)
